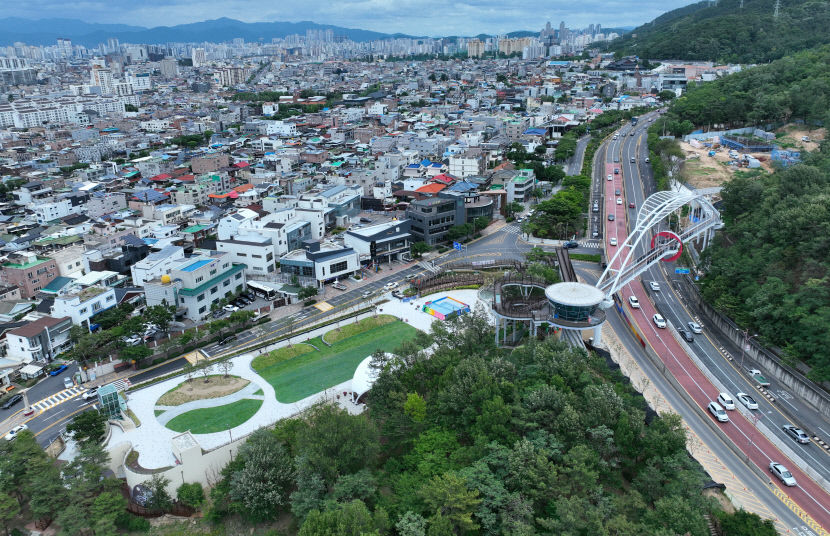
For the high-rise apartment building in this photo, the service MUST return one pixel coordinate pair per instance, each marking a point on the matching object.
(199, 57)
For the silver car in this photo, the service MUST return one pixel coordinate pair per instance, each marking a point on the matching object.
(796, 433)
(695, 327)
(782, 474)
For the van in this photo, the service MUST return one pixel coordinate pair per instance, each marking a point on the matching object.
(726, 401)
(719, 413)
(68, 383)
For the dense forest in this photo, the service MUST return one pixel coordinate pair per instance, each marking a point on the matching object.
(769, 268)
(794, 88)
(543, 439)
(730, 31)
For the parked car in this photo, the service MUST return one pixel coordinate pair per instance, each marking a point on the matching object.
(655, 286)
(612, 241)
(365, 220)
(218, 313)
(659, 321)
(90, 393)
(746, 400)
(338, 286)
(230, 308)
(719, 413)
(726, 401)
(250, 296)
(634, 302)
(796, 433)
(135, 340)
(695, 327)
(14, 399)
(15, 431)
(58, 370)
(782, 474)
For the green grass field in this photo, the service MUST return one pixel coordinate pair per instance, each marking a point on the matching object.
(312, 372)
(209, 420)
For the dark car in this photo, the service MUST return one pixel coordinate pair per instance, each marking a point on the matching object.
(610, 217)
(12, 401)
(58, 370)
(686, 334)
(226, 340)
(365, 220)
(617, 191)
(570, 244)
(218, 313)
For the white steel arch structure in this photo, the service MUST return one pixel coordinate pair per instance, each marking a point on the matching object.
(626, 264)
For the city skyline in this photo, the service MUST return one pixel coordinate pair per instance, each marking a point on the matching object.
(434, 19)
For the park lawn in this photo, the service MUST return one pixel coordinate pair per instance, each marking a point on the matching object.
(218, 419)
(313, 372)
(356, 328)
(279, 355)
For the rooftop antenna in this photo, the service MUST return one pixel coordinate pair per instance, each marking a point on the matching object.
(777, 8)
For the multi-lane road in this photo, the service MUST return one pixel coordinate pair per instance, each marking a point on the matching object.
(715, 372)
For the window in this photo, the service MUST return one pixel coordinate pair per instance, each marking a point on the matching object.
(202, 309)
(200, 278)
(214, 290)
(83, 311)
(339, 267)
(256, 256)
(242, 254)
(226, 282)
(238, 276)
(269, 257)
(110, 298)
(213, 272)
(200, 297)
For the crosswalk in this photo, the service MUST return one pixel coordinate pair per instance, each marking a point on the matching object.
(57, 398)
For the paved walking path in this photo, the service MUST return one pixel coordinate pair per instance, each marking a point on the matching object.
(171, 412)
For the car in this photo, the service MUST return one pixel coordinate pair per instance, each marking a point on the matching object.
(613, 241)
(805, 138)
(390, 285)
(796, 433)
(619, 200)
(90, 393)
(632, 160)
(655, 286)
(594, 234)
(634, 302)
(726, 401)
(135, 340)
(609, 177)
(659, 321)
(366, 294)
(58, 370)
(617, 192)
(596, 207)
(686, 334)
(68, 383)
(365, 220)
(695, 327)
(632, 133)
(616, 170)
(746, 400)
(647, 160)
(631, 204)
(782, 474)
(615, 136)
(14, 399)
(570, 244)
(228, 339)
(230, 308)
(719, 413)
(338, 286)
(756, 375)
(15, 431)
(250, 296)
(610, 217)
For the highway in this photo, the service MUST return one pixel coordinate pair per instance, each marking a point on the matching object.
(809, 495)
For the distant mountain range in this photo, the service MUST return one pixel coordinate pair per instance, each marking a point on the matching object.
(46, 31)
(732, 31)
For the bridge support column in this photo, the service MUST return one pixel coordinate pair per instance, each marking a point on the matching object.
(598, 335)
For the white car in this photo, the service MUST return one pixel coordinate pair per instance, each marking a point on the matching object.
(747, 400)
(726, 401)
(655, 286)
(613, 241)
(367, 294)
(634, 302)
(716, 410)
(619, 200)
(390, 285)
(89, 394)
(14, 431)
(782, 474)
(695, 327)
(230, 308)
(609, 177)
(659, 321)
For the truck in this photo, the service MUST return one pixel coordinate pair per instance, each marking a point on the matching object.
(759, 378)
(634, 120)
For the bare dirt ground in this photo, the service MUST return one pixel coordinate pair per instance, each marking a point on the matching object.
(197, 389)
(792, 134)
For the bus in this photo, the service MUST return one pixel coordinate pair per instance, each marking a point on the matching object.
(262, 290)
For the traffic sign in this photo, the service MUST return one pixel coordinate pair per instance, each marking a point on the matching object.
(681, 270)
(457, 245)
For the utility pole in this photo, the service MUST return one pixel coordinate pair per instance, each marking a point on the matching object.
(777, 8)
(745, 344)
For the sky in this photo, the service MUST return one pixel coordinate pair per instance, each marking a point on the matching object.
(413, 17)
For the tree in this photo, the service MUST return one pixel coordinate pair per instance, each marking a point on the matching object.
(225, 367)
(192, 495)
(262, 486)
(9, 510)
(411, 524)
(513, 208)
(360, 485)
(206, 369)
(419, 248)
(160, 315)
(480, 223)
(104, 511)
(415, 407)
(90, 425)
(307, 292)
(46, 492)
(666, 95)
(743, 523)
(159, 497)
(449, 498)
(350, 519)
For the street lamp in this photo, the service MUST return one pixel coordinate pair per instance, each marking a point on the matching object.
(745, 343)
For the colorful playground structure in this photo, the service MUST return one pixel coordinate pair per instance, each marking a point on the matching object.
(445, 308)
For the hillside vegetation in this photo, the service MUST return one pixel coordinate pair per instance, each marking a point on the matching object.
(728, 33)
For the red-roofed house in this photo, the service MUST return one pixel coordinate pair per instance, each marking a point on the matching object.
(163, 177)
(443, 178)
(431, 188)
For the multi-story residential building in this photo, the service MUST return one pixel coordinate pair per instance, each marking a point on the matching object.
(31, 193)
(255, 251)
(39, 340)
(466, 165)
(46, 212)
(70, 261)
(81, 304)
(320, 263)
(28, 272)
(102, 203)
(521, 187)
(196, 283)
(380, 243)
(156, 264)
(432, 217)
(209, 162)
(167, 214)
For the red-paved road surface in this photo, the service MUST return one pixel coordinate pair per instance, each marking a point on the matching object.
(811, 497)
